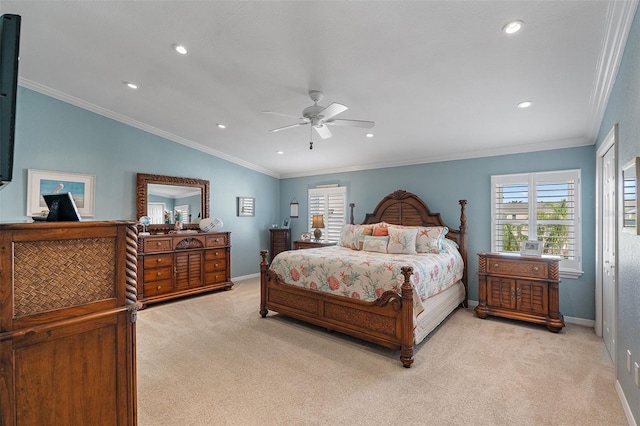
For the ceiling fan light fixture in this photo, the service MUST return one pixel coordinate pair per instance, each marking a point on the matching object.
(512, 27)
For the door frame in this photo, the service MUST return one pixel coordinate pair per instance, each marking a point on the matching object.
(610, 142)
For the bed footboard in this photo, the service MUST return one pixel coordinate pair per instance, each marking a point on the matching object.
(388, 321)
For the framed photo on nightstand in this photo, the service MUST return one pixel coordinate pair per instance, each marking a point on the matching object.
(531, 248)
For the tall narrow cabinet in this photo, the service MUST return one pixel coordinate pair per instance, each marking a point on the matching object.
(68, 303)
(280, 241)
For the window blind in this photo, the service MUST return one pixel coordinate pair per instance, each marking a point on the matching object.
(332, 204)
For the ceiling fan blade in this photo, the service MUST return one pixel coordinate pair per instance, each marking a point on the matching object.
(323, 131)
(332, 110)
(281, 114)
(352, 123)
(290, 126)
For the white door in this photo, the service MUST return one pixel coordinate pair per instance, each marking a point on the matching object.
(156, 212)
(608, 250)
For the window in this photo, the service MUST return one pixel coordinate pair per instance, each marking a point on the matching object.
(331, 202)
(549, 204)
(183, 212)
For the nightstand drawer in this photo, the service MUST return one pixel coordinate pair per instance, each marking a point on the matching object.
(521, 267)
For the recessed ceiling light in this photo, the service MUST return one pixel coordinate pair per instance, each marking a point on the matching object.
(512, 27)
(180, 49)
(280, 152)
(131, 85)
(222, 126)
(525, 104)
(369, 135)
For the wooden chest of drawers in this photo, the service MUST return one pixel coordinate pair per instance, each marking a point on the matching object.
(183, 264)
(280, 241)
(521, 288)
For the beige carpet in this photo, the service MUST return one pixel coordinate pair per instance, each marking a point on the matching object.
(212, 360)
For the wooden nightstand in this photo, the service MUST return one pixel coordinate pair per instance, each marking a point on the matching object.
(300, 244)
(520, 287)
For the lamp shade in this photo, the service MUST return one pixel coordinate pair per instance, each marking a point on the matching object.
(317, 221)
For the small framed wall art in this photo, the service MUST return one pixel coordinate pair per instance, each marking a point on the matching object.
(42, 182)
(246, 206)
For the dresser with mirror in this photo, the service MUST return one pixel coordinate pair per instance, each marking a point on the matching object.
(176, 259)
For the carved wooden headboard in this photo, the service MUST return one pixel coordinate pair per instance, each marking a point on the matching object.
(405, 208)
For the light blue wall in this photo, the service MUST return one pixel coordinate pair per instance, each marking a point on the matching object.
(441, 185)
(54, 135)
(624, 109)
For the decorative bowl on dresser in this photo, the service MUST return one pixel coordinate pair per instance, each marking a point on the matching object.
(520, 287)
(182, 264)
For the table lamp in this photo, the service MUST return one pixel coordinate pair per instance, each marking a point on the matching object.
(317, 222)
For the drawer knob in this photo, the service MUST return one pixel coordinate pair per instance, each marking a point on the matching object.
(216, 253)
(159, 244)
(216, 265)
(495, 265)
(159, 287)
(217, 240)
(159, 260)
(159, 273)
(536, 269)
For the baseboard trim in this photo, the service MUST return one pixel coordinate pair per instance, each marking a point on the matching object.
(625, 404)
(245, 277)
(568, 320)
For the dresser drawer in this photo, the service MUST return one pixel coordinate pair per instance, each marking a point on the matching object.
(215, 265)
(217, 240)
(157, 260)
(215, 254)
(154, 245)
(157, 274)
(215, 277)
(156, 288)
(520, 267)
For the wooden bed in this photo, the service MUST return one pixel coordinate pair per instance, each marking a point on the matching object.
(388, 321)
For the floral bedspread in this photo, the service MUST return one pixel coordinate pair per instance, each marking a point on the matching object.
(366, 275)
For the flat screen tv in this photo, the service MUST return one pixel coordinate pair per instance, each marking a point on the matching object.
(62, 208)
(9, 53)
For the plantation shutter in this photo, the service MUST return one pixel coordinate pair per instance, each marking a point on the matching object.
(538, 206)
(331, 202)
(511, 213)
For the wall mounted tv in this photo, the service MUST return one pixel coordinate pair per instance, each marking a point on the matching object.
(9, 53)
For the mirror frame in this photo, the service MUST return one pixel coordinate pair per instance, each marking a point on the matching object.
(144, 179)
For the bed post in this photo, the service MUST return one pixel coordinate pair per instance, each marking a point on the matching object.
(351, 218)
(406, 345)
(264, 266)
(463, 251)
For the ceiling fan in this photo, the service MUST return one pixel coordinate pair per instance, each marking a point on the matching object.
(318, 117)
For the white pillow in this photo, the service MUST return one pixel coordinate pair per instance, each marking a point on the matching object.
(375, 244)
(346, 236)
(402, 240)
(430, 239)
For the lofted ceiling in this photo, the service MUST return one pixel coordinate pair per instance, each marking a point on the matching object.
(440, 79)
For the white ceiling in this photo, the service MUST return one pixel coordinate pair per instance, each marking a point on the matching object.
(439, 78)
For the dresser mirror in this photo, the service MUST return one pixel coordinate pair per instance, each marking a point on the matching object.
(168, 199)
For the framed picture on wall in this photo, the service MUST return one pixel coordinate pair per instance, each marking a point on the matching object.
(42, 182)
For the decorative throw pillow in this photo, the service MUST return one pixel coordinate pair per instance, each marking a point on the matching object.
(380, 229)
(346, 235)
(359, 232)
(402, 240)
(430, 239)
(377, 244)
